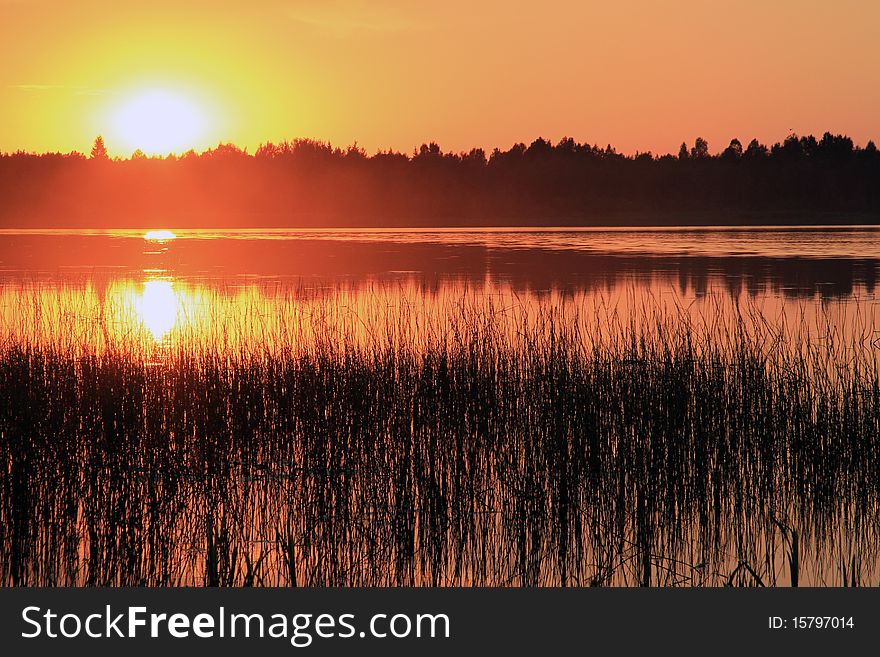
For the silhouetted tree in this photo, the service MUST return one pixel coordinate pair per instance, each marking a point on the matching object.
(790, 149)
(540, 148)
(429, 150)
(683, 151)
(700, 149)
(266, 151)
(734, 151)
(476, 156)
(809, 146)
(99, 151)
(835, 146)
(756, 150)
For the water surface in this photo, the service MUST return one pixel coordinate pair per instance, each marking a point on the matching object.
(202, 279)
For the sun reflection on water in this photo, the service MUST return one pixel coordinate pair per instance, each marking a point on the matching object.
(156, 310)
(158, 307)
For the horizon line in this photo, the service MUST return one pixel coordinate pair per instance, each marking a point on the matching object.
(355, 147)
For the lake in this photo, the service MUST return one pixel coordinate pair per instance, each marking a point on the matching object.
(204, 282)
(676, 406)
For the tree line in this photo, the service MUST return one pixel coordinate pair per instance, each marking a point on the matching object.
(312, 183)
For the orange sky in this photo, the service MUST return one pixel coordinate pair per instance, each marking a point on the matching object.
(394, 73)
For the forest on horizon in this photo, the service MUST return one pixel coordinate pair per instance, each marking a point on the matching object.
(308, 183)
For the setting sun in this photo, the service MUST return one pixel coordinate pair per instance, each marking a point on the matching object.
(158, 122)
(159, 235)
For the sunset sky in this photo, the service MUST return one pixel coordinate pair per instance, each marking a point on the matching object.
(393, 73)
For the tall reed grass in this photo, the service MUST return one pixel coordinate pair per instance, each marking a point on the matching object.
(463, 448)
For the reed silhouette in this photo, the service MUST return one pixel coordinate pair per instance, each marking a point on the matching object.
(449, 451)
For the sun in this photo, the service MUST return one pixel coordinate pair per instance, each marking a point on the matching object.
(158, 307)
(160, 236)
(158, 122)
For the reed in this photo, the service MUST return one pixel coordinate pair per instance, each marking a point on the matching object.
(446, 451)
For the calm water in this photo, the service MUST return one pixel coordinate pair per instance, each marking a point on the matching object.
(244, 283)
